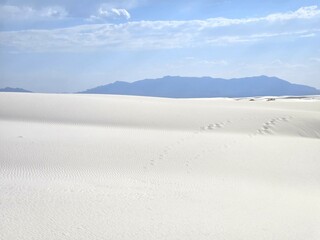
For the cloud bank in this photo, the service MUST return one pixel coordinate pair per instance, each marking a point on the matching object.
(161, 34)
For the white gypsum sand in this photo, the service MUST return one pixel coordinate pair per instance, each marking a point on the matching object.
(121, 167)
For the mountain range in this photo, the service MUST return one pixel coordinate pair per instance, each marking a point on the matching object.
(9, 89)
(206, 87)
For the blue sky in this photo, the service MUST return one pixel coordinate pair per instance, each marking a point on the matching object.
(68, 46)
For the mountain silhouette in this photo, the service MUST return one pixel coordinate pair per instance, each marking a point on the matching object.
(206, 87)
(9, 89)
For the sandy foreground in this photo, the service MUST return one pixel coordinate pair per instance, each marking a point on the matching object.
(120, 167)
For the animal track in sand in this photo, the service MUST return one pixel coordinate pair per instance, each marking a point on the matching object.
(213, 126)
(170, 149)
(267, 127)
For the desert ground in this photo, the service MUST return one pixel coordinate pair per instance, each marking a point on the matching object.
(78, 167)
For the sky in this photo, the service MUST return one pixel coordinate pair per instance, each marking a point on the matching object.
(69, 46)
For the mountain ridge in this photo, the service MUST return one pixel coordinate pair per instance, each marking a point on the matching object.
(10, 89)
(205, 87)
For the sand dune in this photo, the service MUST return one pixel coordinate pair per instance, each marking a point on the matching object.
(120, 167)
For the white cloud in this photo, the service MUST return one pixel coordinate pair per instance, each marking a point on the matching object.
(308, 35)
(159, 34)
(120, 4)
(301, 13)
(11, 12)
(104, 12)
(121, 13)
(223, 40)
(54, 12)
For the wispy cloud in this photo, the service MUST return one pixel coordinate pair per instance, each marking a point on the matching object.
(315, 59)
(223, 40)
(12, 12)
(308, 35)
(159, 34)
(301, 13)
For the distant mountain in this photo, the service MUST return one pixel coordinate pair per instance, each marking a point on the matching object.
(8, 89)
(205, 87)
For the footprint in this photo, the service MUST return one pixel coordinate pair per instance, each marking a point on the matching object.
(267, 126)
(168, 150)
(213, 126)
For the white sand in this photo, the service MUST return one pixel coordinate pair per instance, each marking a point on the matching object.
(116, 167)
